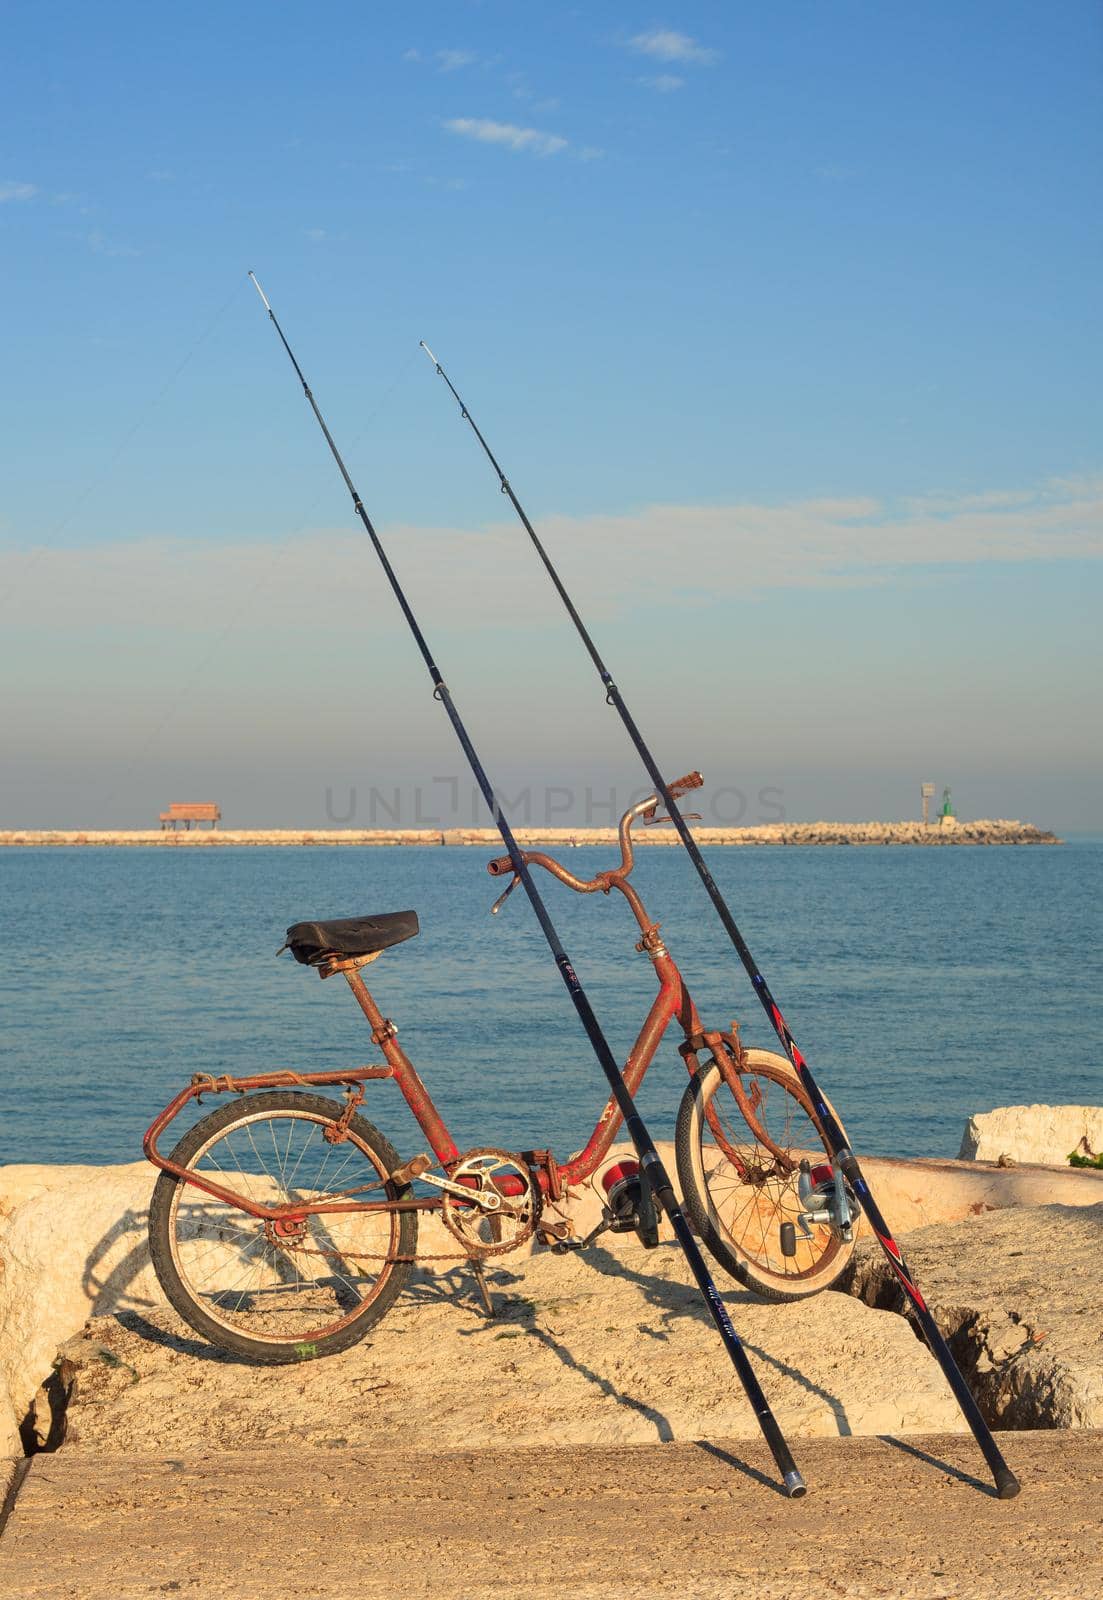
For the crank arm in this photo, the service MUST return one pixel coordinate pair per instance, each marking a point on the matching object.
(562, 1246)
(486, 1202)
(822, 1219)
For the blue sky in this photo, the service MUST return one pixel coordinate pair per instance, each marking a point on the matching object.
(783, 320)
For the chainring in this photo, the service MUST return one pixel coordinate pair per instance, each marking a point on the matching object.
(492, 1233)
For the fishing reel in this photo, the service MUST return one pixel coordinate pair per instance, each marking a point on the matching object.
(629, 1208)
(629, 1204)
(826, 1200)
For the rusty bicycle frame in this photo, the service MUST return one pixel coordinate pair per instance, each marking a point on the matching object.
(673, 1000)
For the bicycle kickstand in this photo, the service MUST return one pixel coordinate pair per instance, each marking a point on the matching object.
(479, 1270)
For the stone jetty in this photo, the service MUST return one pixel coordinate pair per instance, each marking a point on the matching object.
(775, 833)
(592, 1428)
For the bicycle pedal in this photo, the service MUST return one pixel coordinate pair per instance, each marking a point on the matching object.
(551, 1233)
(409, 1170)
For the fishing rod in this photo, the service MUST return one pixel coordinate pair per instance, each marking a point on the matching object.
(1007, 1485)
(651, 1165)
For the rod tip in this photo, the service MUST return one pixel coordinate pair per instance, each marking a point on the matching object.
(260, 291)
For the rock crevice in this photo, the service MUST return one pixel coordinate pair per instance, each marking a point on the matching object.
(1010, 1295)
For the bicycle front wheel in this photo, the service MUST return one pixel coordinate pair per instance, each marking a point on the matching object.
(302, 1287)
(740, 1187)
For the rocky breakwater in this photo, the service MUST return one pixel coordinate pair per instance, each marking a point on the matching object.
(1016, 1291)
(1045, 1135)
(986, 831)
(1018, 1296)
(73, 1253)
(999, 832)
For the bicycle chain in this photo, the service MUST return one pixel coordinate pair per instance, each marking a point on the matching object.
(483, 1253)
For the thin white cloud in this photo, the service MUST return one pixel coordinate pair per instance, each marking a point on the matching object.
(16, 191)
(942, 505)
(411, 55)
(664, 83)
(663, 44)
(453, 60)
(507, 133)
(724, 552)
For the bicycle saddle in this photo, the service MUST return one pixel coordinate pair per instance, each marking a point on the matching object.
(314, 942)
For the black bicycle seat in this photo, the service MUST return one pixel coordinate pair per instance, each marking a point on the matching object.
(314, 942)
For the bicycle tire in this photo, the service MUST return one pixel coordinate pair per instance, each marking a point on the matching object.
(273, 1319)
(738, 1215)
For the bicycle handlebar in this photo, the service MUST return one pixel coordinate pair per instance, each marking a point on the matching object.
(604, 880)
(692, 780)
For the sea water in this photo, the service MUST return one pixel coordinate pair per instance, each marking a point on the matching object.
(922, 984)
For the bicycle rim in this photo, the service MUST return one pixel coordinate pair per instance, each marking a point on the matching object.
(740, 1194)
(325, 1272)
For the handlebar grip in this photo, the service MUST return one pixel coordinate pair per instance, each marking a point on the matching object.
(499, 865)
(692, 780)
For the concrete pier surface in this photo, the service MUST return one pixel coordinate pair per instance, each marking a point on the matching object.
(911, 1517)
(775, 833)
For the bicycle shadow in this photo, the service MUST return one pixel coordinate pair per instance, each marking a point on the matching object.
(673, 1300)
(126, 1290)
(112, 1290)
(517, 1312)
(182, 1344)
(117, 1291)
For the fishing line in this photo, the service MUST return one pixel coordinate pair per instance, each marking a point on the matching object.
(259, 588)
(97, 483)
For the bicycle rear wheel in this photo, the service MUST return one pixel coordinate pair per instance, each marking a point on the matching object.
(740, 1188)
(310, 1286)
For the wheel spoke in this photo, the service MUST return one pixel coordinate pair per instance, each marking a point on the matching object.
(741, 1189)
(317, 1274)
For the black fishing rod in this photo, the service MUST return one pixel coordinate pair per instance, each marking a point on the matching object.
(654, 1172)
(1007, 1485)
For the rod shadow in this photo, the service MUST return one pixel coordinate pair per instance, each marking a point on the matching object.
(519, 1313)
(742, 1466)
(937, 1461)
(675, 1300)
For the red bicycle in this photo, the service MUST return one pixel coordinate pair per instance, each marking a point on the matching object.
(283, 1225)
